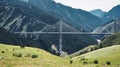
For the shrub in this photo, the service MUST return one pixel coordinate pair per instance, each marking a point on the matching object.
(17, 54)
(28, 55)
(85, 62)
(22, 46)
(3, 52)
(108, 62)
(90, 62)
(95, 61)
(13, 49)
(83, 58)
(97, 66)
(71, 61)
(34, 56)
(6, 49)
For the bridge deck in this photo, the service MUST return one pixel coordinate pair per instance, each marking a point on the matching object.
(82, 33)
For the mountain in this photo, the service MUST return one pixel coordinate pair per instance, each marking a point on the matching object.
(20, 16)
(112, 14)
(110, 19)
(10, 38)
(78, 18)
(110, 27)
(98, 12)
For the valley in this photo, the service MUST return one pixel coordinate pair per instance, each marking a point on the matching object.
(46, 33)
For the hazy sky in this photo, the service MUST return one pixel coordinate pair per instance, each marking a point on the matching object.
(88, 5)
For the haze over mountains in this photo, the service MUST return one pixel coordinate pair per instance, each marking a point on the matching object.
(45, 15)
(112, 22)
(98, 12)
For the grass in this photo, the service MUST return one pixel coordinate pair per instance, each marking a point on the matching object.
(111, 54)
(45, 59)
(84, 50)
(42, 58)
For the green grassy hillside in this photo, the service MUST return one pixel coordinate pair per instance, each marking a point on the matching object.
(14, 56)
(84, 50)
(108, 41)
(111, 40)
(104, 55)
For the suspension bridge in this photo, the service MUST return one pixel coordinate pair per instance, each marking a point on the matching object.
(60, 33)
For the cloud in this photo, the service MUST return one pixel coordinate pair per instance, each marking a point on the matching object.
(25, 0)
(88, 5)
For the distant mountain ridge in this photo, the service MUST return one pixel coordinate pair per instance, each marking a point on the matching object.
(98, 13)
(110, 19)
(112, 14)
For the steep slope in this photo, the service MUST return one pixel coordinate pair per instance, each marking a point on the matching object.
(15, 18)
(98, 12)
(14, 15)
(112, 14)
(110, 27)
(77, 17)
